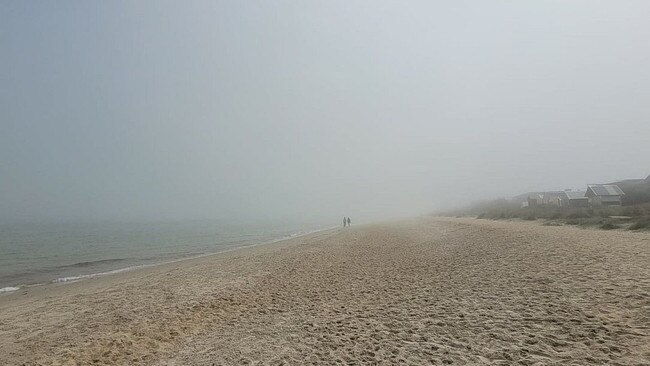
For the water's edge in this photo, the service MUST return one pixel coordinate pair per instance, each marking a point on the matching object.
(72, 279)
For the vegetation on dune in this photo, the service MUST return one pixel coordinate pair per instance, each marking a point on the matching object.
(634, 214)
(641, 224)
(636, 217)
(609, 226)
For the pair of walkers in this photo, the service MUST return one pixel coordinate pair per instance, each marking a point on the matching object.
(347, 221)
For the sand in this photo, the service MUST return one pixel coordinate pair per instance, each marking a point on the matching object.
(427, 291)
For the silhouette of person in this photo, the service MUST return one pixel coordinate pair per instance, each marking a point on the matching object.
(344, 221)
(349, 221)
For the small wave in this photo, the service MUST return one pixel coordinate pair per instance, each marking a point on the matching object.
(189, 256)
(8, 289)
(92, 263)
(83, 277)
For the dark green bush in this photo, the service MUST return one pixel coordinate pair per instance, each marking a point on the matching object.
(578, 214)
(641, 224)
(609, 226)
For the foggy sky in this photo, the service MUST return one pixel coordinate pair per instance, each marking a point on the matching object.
(312, 110)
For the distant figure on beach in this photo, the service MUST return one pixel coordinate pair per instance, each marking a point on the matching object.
(344, 221)
(349, 221)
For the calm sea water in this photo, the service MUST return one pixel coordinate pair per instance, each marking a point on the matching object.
(33, 254)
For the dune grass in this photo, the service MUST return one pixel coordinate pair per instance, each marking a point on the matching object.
(636, 217)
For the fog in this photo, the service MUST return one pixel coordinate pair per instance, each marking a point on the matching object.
(306, 110)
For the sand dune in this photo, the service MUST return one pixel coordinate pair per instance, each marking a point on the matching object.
(430, 291)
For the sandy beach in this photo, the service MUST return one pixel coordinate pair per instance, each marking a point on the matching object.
(425, 291)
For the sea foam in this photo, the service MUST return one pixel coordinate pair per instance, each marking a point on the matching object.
(8, 289)
(92, 275)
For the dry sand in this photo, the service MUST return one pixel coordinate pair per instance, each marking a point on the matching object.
(430, 291)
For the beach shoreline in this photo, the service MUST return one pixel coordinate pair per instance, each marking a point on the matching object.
(82, 277)
(428, 290)
(115, 277)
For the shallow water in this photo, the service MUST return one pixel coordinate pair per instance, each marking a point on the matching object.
(41, 253)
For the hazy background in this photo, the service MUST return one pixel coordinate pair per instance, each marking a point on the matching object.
(306, 110)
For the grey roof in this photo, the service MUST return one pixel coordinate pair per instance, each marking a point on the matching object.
(553, 193)
(526, 195)
(606, 190)
(575, 195)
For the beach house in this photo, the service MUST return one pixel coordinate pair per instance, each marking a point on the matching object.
(574, 199)
(534, 200)
(552, 198)
(523, 199)
(604, 195)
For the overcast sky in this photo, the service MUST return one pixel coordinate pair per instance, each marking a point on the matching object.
(311, 110)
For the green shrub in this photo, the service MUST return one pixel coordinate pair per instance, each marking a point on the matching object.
(578, 214)
(609, 226)
(633, 211)
(607, 212)
(641, 224)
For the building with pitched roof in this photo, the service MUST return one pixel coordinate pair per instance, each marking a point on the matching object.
(604, 195)
(574, 199)
(552, 198)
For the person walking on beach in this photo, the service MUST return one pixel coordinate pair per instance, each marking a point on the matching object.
(344, 221)
(349, 221)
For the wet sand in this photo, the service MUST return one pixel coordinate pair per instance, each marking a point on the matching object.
(426, 291)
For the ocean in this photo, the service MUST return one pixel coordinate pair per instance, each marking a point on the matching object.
(33, 254)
